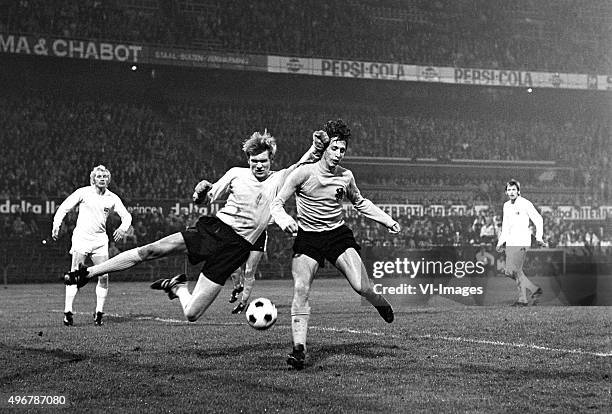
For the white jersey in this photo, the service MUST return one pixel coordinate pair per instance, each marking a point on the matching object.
(247, 209)
(94, 209)
(515, 225)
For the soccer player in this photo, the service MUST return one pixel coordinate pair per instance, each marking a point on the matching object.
(516, 235)
(244, 277)
(89, 238)
(223, 241)
(320, 190)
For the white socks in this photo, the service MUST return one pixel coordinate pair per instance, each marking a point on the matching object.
(299, 324)
(71, 292)
(120, 262)
(101, 293)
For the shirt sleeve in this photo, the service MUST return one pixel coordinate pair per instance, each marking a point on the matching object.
(221, 187)
(68, 204)
(536, 218)
(365, 206)
(277, 208)
(126, 217)
(505, 226)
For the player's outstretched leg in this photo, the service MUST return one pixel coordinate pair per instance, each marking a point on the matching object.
(172, 244)
(352, 267)
(194, 304)
(169, 285)
(303, 269)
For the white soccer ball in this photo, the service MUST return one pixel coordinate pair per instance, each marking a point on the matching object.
(261, 313)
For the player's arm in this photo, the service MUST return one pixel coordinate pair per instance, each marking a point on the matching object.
(277, 208)
(314, 153)
(126, 220)
(504, 230)
(249, 279)
(368, 209)
(68, 204)
(537, 221)
(206, 193)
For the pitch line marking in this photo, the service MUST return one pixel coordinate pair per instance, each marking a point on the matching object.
(371, 333)
(473, 341)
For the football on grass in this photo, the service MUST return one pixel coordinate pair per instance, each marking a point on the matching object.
(261, 313)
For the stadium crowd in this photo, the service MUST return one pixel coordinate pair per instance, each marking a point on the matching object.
(550, 35)
(578, 238)
(50, 145)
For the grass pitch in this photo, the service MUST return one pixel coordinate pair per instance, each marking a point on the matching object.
(433, 358)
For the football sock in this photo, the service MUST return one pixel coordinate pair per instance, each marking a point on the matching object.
(299, 324)
(101, 293)
(71, 292)
(248, 287)
(184, 296)
(236, 279)
(120, 262)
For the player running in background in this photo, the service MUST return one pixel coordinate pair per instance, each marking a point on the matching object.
(320, 190)
(516, 235)
(89, 238)
(244, 276)
(224, 241)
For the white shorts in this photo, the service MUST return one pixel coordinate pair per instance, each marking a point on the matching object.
(89, 247)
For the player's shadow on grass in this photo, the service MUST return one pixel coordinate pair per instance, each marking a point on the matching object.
(365, 350)
(262, 349)
(34, 361)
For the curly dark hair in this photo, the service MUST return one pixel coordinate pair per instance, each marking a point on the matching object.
(513, 183)
(338, 129)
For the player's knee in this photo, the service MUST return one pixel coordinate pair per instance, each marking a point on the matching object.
(149, 252)
(192, 314)
(103, 281)
(191, 317)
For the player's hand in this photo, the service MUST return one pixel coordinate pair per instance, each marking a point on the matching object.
(119, 234)
(541, 243)
(320, 140)
(395, 228)
(200, 194)
(55, 234)
(289, 226)
(239, 308)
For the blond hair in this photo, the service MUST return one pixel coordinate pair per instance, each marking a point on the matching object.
(99, 168)
(259, 143)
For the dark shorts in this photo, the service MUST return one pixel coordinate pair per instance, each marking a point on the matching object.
(260, 243)
(321, 245)
(216, 243)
